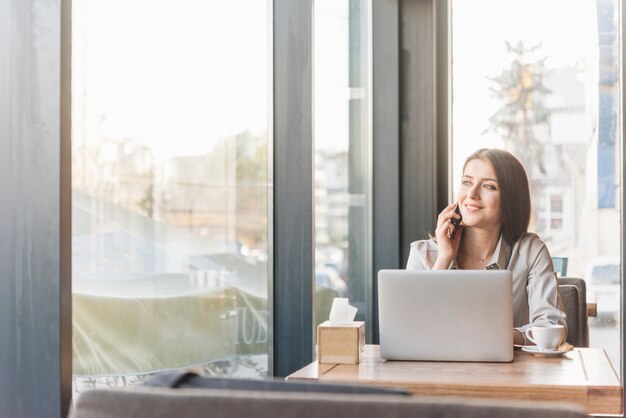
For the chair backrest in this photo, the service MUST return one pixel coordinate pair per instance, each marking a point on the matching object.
(573, 293)
(191, 380)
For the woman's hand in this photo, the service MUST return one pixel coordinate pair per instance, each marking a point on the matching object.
(447, 247)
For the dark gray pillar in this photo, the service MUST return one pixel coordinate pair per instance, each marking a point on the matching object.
(386, 145)
(35, 340)
(443, 100)
(293, 186)
(359, 285)
(417, 122)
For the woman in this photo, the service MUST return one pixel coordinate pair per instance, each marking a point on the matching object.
(494, 204)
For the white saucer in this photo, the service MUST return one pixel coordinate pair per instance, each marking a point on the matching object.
(543, 353)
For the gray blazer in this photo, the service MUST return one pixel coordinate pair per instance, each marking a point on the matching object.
(535, 296)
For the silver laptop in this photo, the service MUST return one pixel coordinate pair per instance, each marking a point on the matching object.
(446, 315)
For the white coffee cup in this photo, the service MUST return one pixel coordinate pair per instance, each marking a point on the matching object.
(547, 337)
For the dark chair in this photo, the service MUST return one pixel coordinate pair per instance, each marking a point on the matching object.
(573, 293)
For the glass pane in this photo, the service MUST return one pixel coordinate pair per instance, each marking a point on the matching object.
(170, 188)
(342, 155)
(551, 97)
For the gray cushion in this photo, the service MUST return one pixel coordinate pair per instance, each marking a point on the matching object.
(569, 296)
(190, 380)
(187, 403)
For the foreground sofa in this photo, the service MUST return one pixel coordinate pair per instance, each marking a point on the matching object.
(151, 402)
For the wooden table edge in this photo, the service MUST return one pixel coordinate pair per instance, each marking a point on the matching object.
(312, 371)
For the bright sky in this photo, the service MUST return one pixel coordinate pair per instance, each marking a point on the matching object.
(565, 28)
(175, 75)
(330, 84)
(180, 76)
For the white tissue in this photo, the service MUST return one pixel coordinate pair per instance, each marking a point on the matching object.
(341, 312)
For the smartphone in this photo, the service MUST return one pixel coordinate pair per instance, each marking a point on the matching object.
(455, 222)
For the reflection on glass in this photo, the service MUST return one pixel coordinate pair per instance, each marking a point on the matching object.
(170, 188)
(551, 98)
(342, 143)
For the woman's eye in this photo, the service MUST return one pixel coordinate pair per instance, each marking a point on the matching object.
(490, 186)
(465, 183)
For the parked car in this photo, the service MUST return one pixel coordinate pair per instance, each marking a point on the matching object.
(602, 277)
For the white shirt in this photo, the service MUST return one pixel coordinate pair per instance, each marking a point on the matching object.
(535, 296)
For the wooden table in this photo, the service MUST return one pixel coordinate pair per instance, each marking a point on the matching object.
(583, 377)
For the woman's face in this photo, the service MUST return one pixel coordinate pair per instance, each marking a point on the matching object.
(479, 195)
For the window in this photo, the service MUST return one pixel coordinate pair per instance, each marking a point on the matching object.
(170, 186)
(342, 137)
(550, 213)
(551, 97)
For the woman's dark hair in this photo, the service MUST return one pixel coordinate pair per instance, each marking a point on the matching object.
(514, 190)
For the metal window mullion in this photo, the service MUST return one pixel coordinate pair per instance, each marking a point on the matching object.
(35, 321)
(293, 186)
(443, 101)
(385, 143)
(65, 207)
(418, 150)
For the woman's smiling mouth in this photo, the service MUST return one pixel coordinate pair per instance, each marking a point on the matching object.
(471, 207)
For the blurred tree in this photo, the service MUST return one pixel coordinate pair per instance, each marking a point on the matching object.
(252, 189)
(146, 204)
(521, 90)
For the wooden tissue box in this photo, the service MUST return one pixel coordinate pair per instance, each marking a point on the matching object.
(340, 343)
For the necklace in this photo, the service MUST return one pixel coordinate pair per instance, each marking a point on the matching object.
(482, 260)
(474, 257)
(464, 262)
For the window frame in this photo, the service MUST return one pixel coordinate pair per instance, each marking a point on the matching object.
(293, 188)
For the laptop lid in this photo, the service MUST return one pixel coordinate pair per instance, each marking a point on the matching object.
(446, 315)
